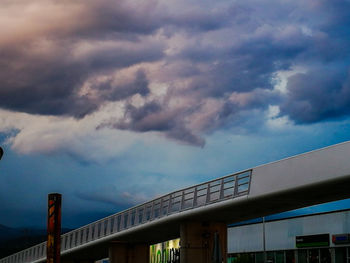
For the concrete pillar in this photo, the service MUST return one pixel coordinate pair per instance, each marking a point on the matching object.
(121, 252)
(197, 242)
(118, 253)
(139, 253)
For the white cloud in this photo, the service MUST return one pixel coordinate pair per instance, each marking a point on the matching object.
(276, 122)
(280, 78)
(50, 135)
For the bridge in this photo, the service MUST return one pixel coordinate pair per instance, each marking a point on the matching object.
(198, 213)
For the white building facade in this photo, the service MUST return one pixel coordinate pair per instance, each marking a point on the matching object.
(319, 238)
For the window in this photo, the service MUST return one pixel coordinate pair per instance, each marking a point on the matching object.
(279, 256)
(302, 256)
(313, 256)
(325, 255)
(270, 257)
(340, 255)
(290, 256)
(259, 258)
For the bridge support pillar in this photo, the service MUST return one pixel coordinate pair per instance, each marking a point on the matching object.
(203, 242)
(120, 252)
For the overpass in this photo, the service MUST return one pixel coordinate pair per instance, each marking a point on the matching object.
(197, 213)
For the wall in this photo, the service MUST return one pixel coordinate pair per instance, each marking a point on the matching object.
(280, 235)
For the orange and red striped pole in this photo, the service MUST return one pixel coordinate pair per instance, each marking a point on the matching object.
(54, 228)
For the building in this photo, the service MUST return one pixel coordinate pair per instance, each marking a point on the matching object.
(317, 238)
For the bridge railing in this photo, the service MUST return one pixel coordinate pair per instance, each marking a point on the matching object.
(207, 193)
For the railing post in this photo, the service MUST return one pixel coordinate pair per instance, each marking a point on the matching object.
(83, 241)
(80, 236)
(161, 208)
(33, 254)
(95, 231)
(152, 211)
(90, 233)
(235, 190)
(37, 253)
(42, 253)
(144, 213)
(207, 199)
(170, 204)
(194, 203)
(108, 230)
(63, 244)
(182, 201)
(221, 195)
(115, 224)
(73, 239)
(129, 218)
(136, 220)
(122, 218)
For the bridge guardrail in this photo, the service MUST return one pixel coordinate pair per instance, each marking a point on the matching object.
(203, 194)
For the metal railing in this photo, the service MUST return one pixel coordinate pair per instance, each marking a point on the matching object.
(200, 195)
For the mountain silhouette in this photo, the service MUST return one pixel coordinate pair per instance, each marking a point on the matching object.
(13, 240)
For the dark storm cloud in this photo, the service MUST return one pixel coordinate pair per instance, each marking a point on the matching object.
(199, 19)
(156, 117)
(42, 86)
(44, 76)
(250, 62)
(111, 90)
(322, 92)
(51, 86)
(257, 99)
(316, 96)
(149, 117)
(263, 42)
(224, 52)
(48, 82)
(119, 17)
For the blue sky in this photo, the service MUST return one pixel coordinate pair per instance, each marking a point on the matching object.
(112, 103)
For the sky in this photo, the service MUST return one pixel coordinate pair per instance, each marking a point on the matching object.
(113, 102)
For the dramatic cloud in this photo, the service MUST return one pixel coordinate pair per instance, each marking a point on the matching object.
(317, 95)
(177, 68)
(102, 100)
(49, 51)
